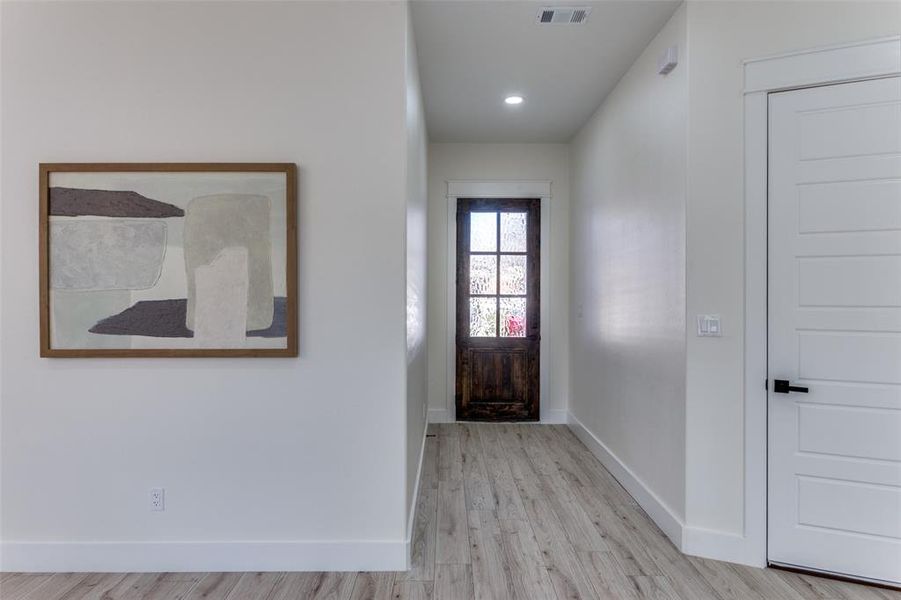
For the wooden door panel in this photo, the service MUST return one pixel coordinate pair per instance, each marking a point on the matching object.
(498, 376)
(498, 348)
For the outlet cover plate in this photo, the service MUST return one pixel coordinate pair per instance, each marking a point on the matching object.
(157, 499)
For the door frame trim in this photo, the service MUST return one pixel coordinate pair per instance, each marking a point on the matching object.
(843, 63)
(474, 188)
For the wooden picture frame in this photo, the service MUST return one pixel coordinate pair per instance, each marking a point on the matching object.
(114, 210)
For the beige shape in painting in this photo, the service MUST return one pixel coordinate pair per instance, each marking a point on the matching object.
(106, 254)
(214, 223)
(220, 304)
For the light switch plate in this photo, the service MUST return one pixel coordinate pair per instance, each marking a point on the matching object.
(709, 326)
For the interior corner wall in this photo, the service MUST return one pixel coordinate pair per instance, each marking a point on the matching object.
(498, 162)
(721, 35)
(268, 464)
(628, 280)
(417, 265)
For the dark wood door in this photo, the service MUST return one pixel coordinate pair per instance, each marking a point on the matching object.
(498, 309)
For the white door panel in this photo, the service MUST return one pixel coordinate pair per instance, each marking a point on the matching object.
(824, 208)
(873, 243)
(849, 131)
(821, 429)
(824, 503)
(836, 171)
(835, 328)
(862, 281)
(871, 396)
(849, 356)
(847, 468)
(845, 318)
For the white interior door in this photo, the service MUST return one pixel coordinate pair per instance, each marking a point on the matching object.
(835, 328)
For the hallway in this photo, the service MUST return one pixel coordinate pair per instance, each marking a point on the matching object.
(504, 511)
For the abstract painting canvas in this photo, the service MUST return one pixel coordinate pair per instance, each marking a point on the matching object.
(168, 259)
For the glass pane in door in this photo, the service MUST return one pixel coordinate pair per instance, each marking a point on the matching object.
(513, 232)
(482, 274)
(483, 317)
(513, 317)
(513, 274)
(483, 232)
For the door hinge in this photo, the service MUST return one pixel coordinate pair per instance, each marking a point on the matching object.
(766, 384)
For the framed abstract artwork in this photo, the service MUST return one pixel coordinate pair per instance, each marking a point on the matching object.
(168, 260)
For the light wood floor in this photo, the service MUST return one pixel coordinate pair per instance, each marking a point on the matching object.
(504, 511)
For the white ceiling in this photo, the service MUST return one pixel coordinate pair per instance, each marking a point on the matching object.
(474, 53)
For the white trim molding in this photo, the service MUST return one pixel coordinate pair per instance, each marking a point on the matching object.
(288, 555)
(525, 188)
(719, 545)
(829, 64)
(664, 516)
(762, 76)
(555, 416)
(441, 415)
(414, 501)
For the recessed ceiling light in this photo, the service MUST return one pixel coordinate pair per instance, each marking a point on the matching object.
(513, 99)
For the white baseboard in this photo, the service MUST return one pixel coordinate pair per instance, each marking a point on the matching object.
(117, 557)
(440, 415)
(555, 416)
(720, 545)
(408, 541)
(656, 508)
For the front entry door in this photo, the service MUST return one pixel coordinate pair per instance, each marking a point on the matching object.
(497, 309)
(835, 329)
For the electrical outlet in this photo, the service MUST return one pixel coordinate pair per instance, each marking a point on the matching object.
(157, 499)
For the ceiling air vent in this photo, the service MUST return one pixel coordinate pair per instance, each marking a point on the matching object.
(556, 15)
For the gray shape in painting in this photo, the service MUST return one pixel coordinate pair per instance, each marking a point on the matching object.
(220, 305)
(151, 318)
(74, 202)
(166, 318)
(214, 223)
(106, 254)
(73, 313)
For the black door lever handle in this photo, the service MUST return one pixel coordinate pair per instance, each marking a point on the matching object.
(781, 386)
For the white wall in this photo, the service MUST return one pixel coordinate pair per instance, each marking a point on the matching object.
(417, 264)
(648, 169)
(721, 35)
(500, 162)
(264, 461)
(628, 277)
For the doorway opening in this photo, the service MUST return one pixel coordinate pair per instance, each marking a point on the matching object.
(498, 309)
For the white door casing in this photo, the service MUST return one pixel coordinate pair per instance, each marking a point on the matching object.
(524, 188)
(834, 326)
(824, 65)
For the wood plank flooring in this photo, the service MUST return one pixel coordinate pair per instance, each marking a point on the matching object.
(504, 511)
